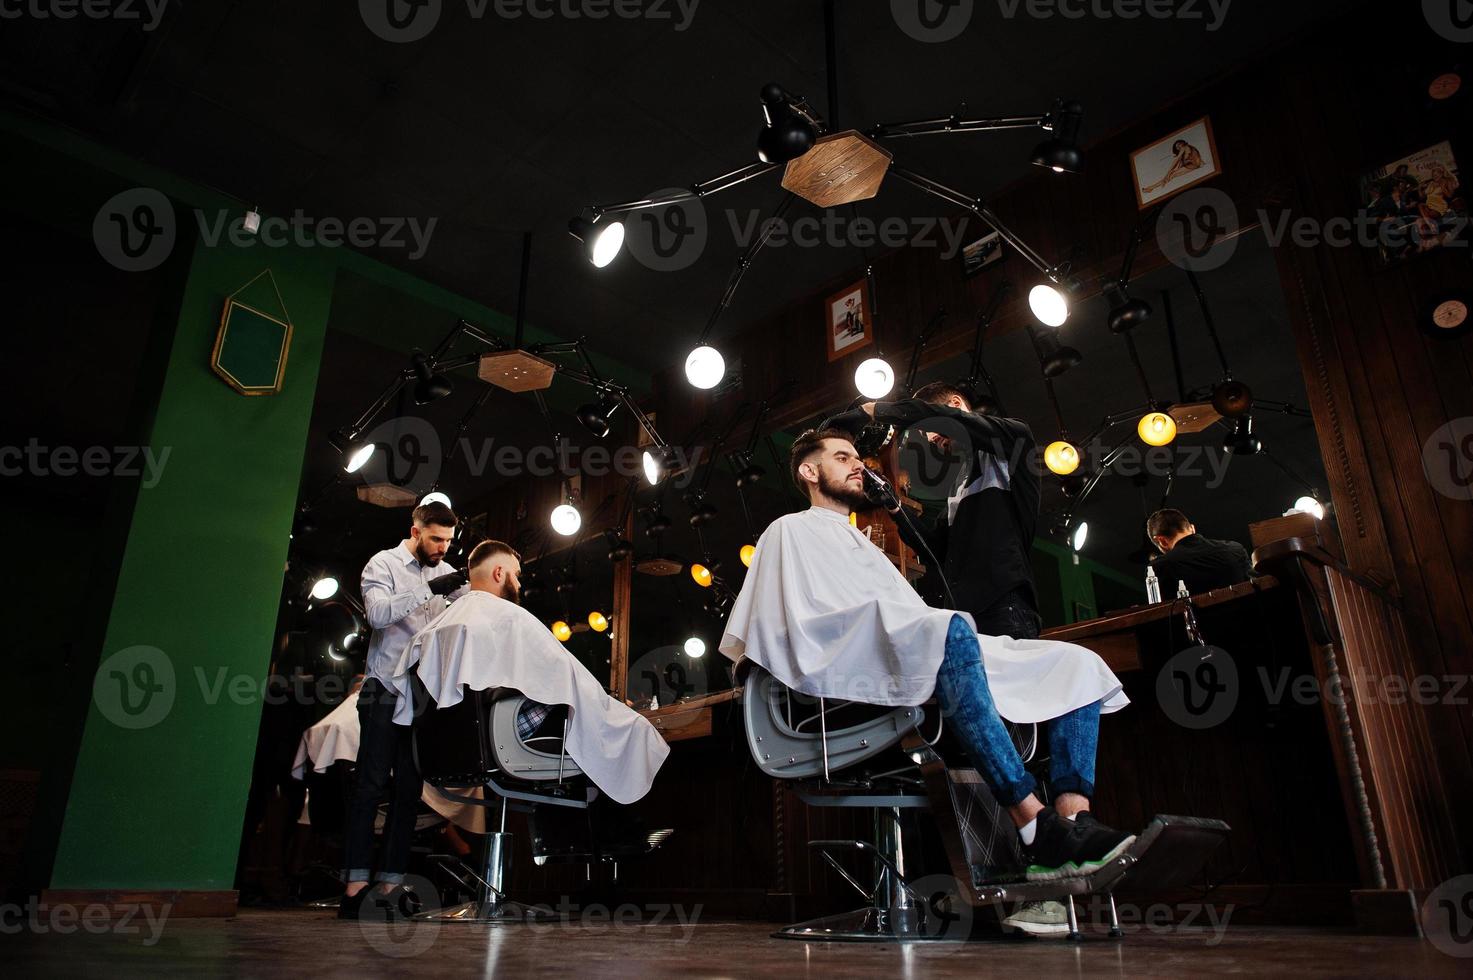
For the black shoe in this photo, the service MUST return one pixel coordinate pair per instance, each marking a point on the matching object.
(1065, 848)
(1097, 839)
(401, 902)
(352, 905)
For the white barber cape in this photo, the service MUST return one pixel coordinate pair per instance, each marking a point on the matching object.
(828, 615)
(483, 641)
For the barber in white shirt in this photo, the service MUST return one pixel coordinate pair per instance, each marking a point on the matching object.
(403, 589)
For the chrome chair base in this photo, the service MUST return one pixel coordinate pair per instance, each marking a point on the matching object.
(490, 913)
(874, 925)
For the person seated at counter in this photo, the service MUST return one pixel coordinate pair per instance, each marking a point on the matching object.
(828, 615)
(1186, 556)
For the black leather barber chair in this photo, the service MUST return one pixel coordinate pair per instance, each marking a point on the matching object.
(474, 745)
(840, 753)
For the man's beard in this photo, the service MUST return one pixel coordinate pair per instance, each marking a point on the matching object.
(847, 494)
(511, 594)
(425, 560)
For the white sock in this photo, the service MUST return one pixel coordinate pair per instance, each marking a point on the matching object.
(1028, 831)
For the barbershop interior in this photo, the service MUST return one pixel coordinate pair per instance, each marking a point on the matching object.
(664, 487)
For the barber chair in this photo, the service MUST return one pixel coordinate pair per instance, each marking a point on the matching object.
(474, 745)
(846, 754)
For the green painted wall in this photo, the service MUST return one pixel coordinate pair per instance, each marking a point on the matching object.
(160, 806)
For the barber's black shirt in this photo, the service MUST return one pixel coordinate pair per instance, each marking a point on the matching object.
(984, 547)
(1204, 564)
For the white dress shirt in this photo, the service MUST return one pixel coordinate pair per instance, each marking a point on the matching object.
(398, 602)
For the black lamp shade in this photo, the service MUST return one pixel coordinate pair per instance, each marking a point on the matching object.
(1061, 150)
(1129, 315)
(1232, 398)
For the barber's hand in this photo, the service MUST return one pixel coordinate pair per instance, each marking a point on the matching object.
(446, 584)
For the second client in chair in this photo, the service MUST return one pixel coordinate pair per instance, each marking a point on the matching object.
(828, 615)
(486, 640)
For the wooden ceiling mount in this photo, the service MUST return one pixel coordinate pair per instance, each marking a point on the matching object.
(840, 169)
(516, 370)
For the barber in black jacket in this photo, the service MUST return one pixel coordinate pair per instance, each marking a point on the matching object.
(1186, 556)
(984, 538)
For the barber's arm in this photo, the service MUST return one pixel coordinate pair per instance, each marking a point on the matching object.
(381, 604)
(921, 537)
(1001, 437)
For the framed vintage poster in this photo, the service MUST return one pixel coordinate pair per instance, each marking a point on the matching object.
(985, 251)
(1174, 163)
(847, 320)
(1415, 204)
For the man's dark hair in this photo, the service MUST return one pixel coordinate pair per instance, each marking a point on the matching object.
(487, 550)
(434, 512)
(939, 392)
(806, 445)
(1166, 523)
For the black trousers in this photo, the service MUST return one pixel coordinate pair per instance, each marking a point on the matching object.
(1012, 615)
(385, 763)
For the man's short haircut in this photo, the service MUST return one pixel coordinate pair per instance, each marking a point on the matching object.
(1166, 523)
(806, 445)
(434, 512)
(939, 392)
(487, 550)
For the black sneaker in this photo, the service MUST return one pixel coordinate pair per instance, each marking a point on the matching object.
(1064, 848)
(1097, 839)
(351, 906)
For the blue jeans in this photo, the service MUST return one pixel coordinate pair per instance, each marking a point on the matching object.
(966, 701)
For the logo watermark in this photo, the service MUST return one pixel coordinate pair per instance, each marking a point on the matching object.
(667, 238)
(1447, 459)
(407, 21)
(134, 688)
(34, 459)
(388, 924)
(1210, 13)
(148, 13)
(932, 21)
(1198, 687)
(63, 919)
(1447, 916)
(136, 230)
(1452, 19)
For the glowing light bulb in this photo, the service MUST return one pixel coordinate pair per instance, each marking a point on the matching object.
(1049, 305)
(359, 458)
(597, 621)
(1309, 505)
(695, 647)
(1156, 429)
(874, 378)
(1081, 534)
(702, 575)
(705, 367)
(566, 520)
(1061, 457)
(324, 588)
(562, 630)
(748, 550)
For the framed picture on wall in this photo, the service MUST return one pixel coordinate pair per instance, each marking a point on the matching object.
(848, 322)
(1414, 204)
(1174, 163)
(985, 251)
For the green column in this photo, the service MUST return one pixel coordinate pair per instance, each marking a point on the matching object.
(160, 784)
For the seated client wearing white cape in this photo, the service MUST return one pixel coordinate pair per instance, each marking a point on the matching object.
(483, 641)
(828, 615)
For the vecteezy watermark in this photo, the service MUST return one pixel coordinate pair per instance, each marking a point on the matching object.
(667, 238)
(1452, 19)
(1199, 230)
(1211, 12)
(389, 923)
(147, 12)
(406, 21)
(34, 459)
(135, 230)
(1447, 459)
(834, 229)
(63, 919)
(932, 21)
(651, 915)
(134, 688)
(1447, 916)
(1198, 687)
(1162, 918)
(667, 674)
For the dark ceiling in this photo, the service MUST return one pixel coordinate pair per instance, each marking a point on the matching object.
(494, 126)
